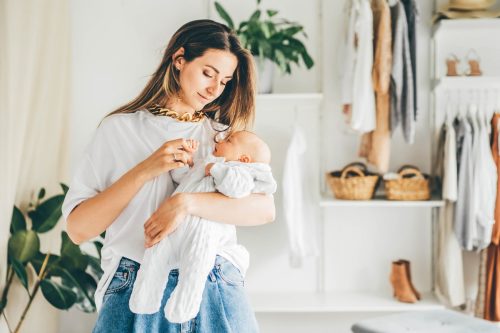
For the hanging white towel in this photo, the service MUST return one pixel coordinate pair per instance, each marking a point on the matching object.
(301, 228)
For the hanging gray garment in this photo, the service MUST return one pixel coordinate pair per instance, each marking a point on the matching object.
(438, 166)
(402, 88)
(459, 135)
(464, 210)
(412, 16)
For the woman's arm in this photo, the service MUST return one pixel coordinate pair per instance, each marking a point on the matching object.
(251, 210)
(254, 209)
(94, 215)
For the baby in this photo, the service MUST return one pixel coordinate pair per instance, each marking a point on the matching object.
(238, 166)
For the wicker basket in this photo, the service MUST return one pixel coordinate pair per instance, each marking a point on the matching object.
(414, 188)
(360, 187)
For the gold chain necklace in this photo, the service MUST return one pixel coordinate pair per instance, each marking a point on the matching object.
(186, 117)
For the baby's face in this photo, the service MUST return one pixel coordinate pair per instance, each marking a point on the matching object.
(231, 148)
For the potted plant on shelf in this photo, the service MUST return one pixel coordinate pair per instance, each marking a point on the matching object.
(67, 279)
(271, 40)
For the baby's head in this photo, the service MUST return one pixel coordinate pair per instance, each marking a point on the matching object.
(245, 147)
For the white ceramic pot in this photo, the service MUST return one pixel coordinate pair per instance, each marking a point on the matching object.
(265, 74)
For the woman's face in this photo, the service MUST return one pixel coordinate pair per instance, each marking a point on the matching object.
(204, 78)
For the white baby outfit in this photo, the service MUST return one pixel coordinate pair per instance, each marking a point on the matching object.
(196, 241)
(120, 143)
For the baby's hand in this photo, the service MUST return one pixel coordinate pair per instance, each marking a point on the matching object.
(191, 145)
(207, 169)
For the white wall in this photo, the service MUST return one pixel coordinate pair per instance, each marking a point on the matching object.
(117, 44)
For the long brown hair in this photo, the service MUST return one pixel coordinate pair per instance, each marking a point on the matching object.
(235, 107)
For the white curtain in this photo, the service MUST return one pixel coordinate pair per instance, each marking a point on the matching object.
(34, 107)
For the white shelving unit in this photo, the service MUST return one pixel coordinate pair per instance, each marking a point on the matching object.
(457, 38)
(300, 107)
(329, 201)
(459, 82)
(328, 302)
(323, 301)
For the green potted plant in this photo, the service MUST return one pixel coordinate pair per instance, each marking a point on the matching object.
(271, 40)
(65, 280)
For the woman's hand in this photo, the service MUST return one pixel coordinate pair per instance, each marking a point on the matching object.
(171, 155)
(165, 220)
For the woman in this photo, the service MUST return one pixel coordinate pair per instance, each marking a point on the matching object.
(123, 185)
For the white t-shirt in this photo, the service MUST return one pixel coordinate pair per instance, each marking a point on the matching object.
(120, 143)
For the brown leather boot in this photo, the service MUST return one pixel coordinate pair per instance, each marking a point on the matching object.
(406, 263)
(401, 284)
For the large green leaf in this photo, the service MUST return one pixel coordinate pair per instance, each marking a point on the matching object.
(58, 295)
(271, 12)
(224, 15)
(23, 245)
(255, 16)
(18, 221)
(292, 30)
(41, 194)
(20, 271)
(64, 187)
(37, 262)
(307, 60)
(84, 286)
(47, 214)
(72, 257)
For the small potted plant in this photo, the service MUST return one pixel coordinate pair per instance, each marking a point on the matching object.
(271, 40)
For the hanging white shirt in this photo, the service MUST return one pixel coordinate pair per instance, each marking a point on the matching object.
(485, 191)
(356, 81)
(301, 230)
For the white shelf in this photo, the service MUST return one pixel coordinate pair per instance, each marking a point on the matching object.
(304, 302)
(298, 96)
(329, 201)
(467, 82)
(466, 24)
(289, 102)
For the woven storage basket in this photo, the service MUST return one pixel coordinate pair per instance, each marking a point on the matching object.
(360, 187)
(414, 188)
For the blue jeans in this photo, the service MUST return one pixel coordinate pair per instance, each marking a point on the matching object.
(224, 307)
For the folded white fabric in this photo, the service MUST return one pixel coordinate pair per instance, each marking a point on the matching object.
(193, 246)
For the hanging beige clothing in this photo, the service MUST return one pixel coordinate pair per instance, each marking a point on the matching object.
(376, 145)
(450, 287)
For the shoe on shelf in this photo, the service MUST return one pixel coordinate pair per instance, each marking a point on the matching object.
(406, 263)
(474, 63)
(452, 63)
(401, 282)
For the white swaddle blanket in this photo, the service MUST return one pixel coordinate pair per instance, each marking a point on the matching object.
(194, 245)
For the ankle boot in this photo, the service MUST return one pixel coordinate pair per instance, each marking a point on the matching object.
(406, 263)
(400, 283)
